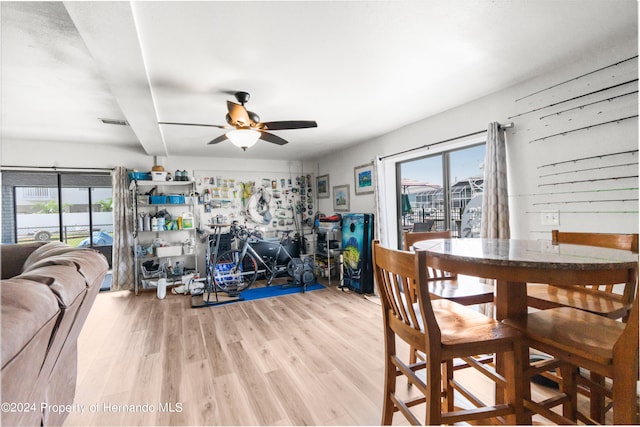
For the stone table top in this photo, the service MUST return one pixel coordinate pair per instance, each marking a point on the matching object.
(531, 253)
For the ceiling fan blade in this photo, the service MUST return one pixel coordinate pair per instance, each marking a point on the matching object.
(195, 124)
(289, 124)
(238, 114)
(221, 138)
(269, 137)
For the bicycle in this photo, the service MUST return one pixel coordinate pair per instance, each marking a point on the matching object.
(237, 269)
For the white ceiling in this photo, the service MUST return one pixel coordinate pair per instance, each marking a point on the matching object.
(359, 68)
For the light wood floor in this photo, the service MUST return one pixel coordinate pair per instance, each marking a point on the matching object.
(302, 359)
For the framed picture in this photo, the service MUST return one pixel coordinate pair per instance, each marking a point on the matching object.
(341, 198)
(363, 177)
(322, 185)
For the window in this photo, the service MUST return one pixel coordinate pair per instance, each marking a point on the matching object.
(442, 191)
(74, 208)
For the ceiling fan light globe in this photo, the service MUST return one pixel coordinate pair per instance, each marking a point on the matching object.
(243, 138)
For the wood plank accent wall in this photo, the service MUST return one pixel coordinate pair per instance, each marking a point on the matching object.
(578, 140)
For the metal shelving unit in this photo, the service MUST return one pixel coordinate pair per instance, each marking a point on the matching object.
(324, 252)
(144, 238)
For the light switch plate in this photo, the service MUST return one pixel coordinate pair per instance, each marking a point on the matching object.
(550, 218)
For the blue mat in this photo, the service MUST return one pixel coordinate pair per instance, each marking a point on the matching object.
(275, 291)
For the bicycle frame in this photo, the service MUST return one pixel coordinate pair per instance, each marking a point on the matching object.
(275, 268)
(237, 268)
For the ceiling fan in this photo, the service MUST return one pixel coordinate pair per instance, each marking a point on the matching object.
(247, 127)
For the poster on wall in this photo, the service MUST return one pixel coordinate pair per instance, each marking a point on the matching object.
(363, 177)
(341, 198)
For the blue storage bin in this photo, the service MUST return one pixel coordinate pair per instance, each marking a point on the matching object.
(158, 200)
(140, 176)
(223, 274)
(176, 200)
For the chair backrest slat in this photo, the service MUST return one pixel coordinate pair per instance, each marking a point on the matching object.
(627, 242)
(410, 238)
(402, 281)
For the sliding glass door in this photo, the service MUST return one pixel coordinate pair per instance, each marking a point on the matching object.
(421, 184)
(37, 214)
(466, 177)
(75, 208)
(443, 191)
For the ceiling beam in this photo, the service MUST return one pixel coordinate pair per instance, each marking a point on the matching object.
(110, 34)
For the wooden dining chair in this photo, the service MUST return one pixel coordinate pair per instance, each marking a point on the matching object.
(603, 300)
(604, 346)
(444, 331)
(445, 284)
(468, 291)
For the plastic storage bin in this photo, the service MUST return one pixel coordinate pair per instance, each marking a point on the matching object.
(176, 200)
(158, 200)
(158, 176)
(140, 176)
(163, 251)
(223, 274)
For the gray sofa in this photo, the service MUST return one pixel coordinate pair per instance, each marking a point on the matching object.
(46, 293)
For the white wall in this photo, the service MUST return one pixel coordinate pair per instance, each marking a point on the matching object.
(525, 158)
(71, 155)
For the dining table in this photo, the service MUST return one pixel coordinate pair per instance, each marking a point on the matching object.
(513, 263)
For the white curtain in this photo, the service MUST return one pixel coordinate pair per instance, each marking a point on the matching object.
(122, 232)
(495, 203)
(384, 213)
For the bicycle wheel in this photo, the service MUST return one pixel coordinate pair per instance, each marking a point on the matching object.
(232, 274)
